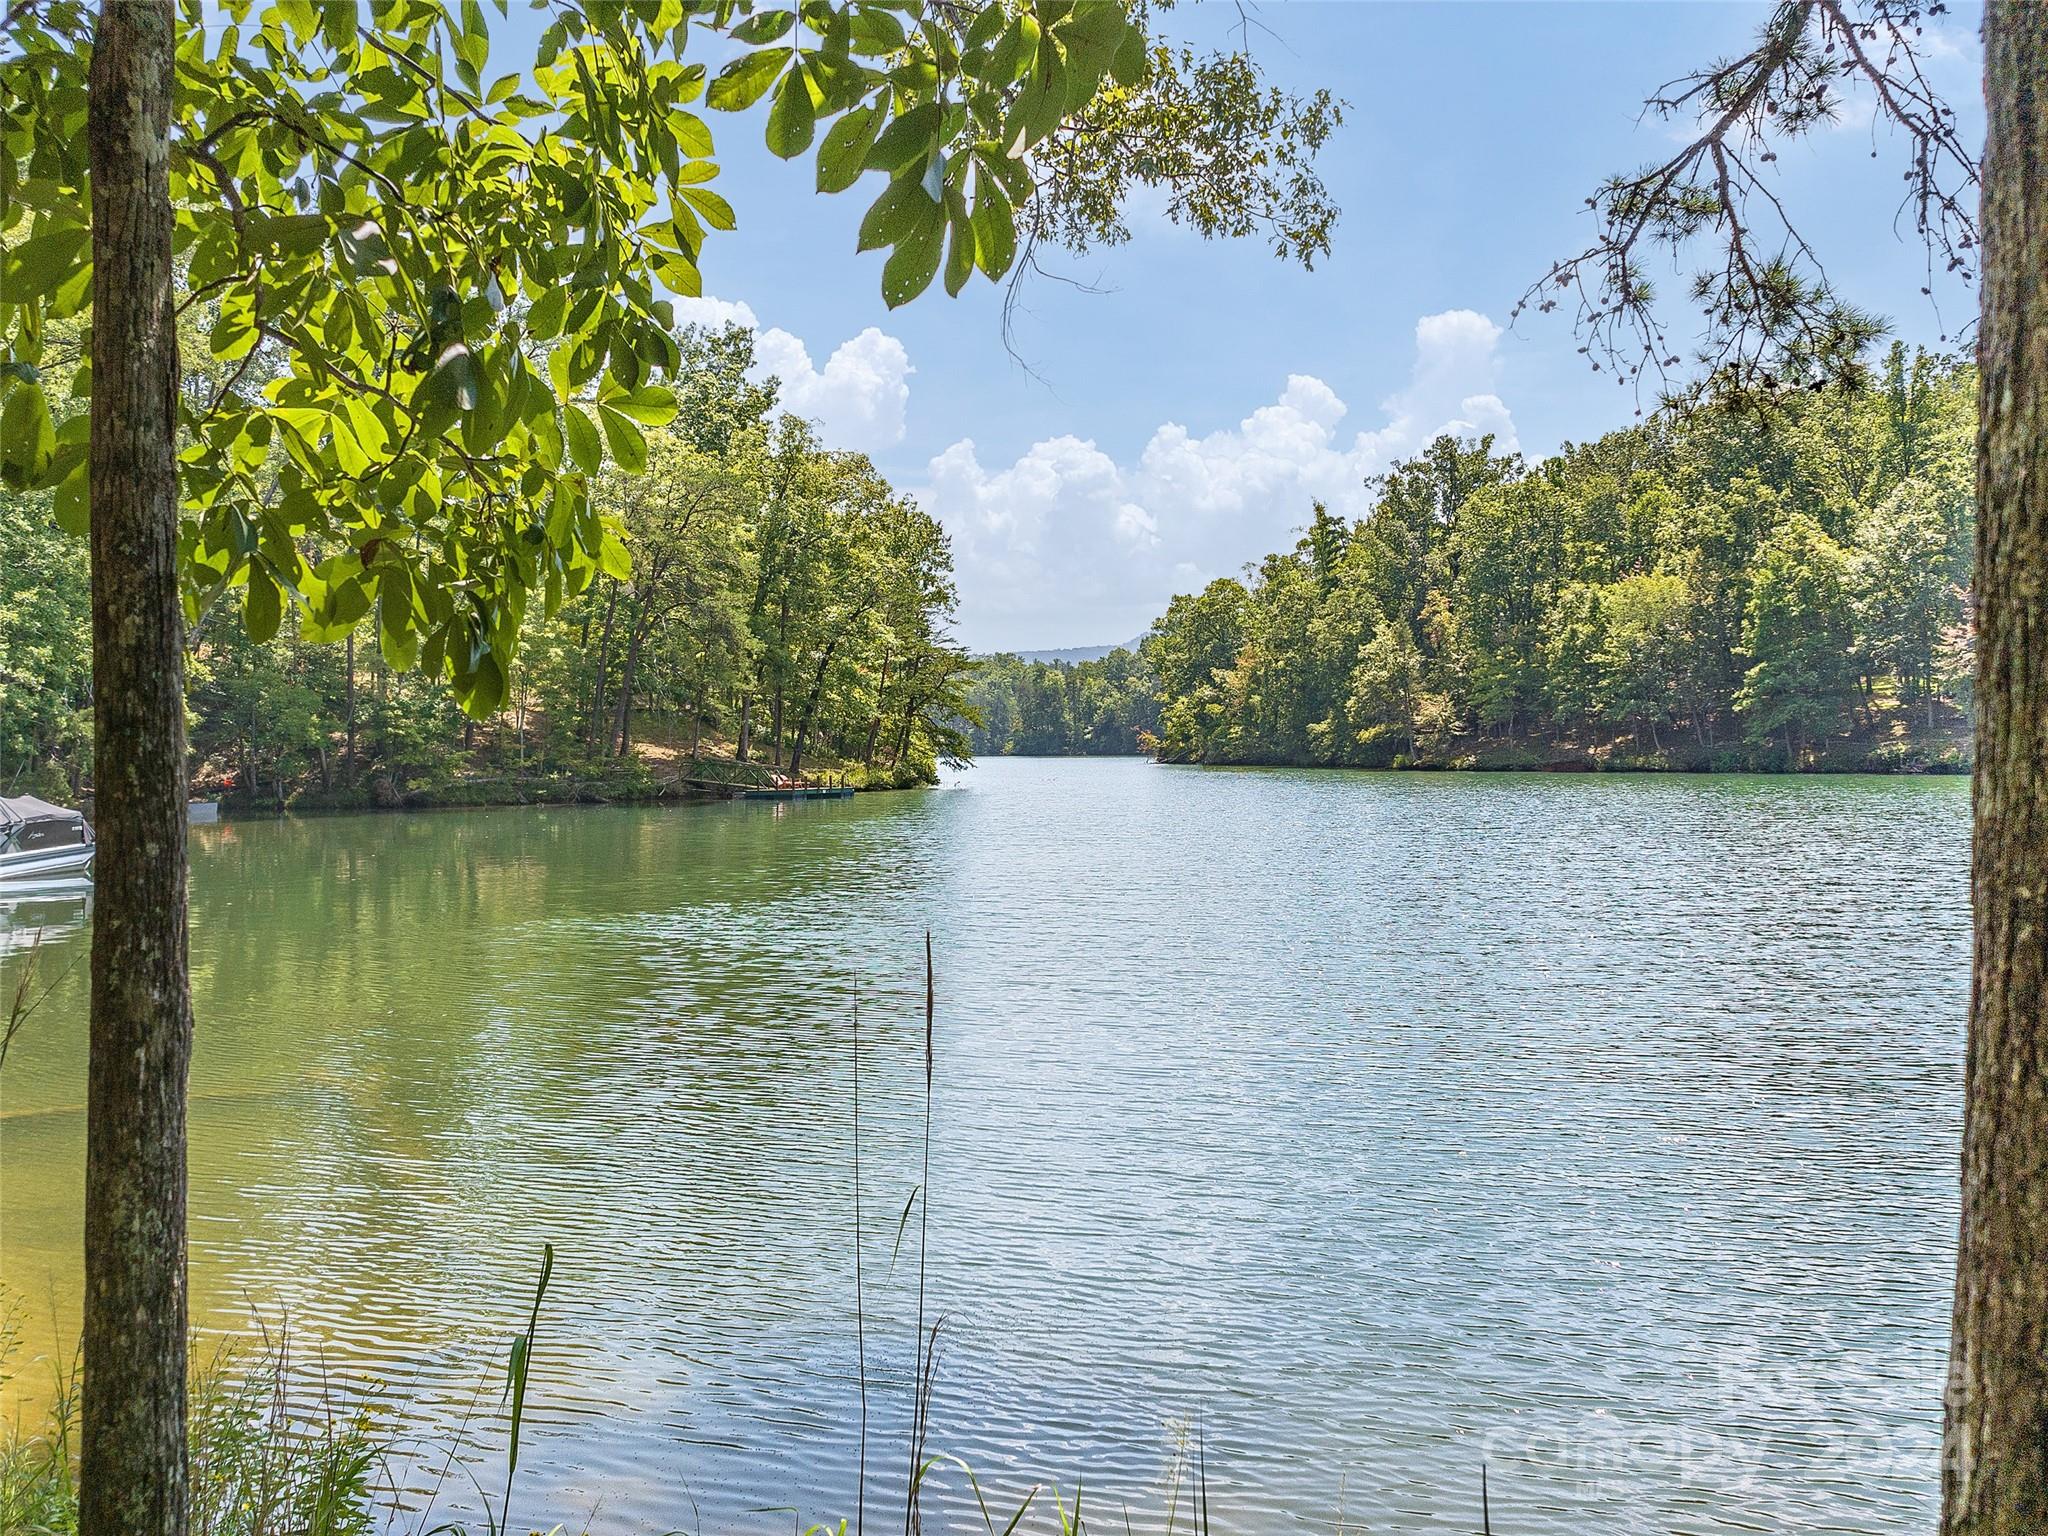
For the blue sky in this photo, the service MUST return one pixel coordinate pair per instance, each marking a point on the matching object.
(1178, 423)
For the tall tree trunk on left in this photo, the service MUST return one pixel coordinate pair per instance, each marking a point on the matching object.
(1995, 1451)
(132, 1464)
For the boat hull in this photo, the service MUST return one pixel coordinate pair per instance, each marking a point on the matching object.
(46, 863)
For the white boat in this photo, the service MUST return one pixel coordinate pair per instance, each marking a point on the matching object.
(40, 841)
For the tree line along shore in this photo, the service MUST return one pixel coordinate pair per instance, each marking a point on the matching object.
(1700, 592)
(1754, 590)
(784, 605)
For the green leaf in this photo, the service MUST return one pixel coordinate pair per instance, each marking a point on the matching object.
(986, 27)
(363, 250)
(265, 607)
(614, 558)
(764, 27)
(585, 447)
(1015, 52)
(960, 250)
(793, 119)
(1133, 61)
(1093, 35)
(451, 382)
(716, 210)
(484, 693)
(624, 439)
(649, 404)
(875, 31)
(72, 504)
(908, 139)
(396, 636)
(347, 602)
(28, 436)
(746, 79)
(40, 264)
(289, 234)
(841, 157)
(544, 320)
(901, 208)
(915, 261)
(234, 327)
(995, 227)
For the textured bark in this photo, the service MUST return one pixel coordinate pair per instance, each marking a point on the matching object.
(1995, 1460)
(132, 1469)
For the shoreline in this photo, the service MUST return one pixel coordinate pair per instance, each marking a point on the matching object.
(504, 793)
(1869, 765)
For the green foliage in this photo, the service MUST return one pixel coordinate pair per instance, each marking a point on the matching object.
(45, 648)
(1797, 633)
(420, 310)
(1104, 707)
(258, 1464)
(1789, 577)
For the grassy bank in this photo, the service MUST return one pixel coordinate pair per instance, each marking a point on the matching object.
(259, 1465)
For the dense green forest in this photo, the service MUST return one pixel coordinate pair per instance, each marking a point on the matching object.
(1779, 590)
(783, 604)
(1726, 590)
(1061, 708)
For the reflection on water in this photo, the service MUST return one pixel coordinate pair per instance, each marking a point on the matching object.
(37, 912)
(1599, 1129)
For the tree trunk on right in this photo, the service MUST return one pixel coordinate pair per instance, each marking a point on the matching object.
(1995, 1459)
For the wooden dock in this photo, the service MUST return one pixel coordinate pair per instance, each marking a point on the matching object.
(726, 779)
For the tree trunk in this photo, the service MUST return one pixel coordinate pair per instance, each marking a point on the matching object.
(1995, 1456)
(132, 1466)
(636, 631)
(803, 728)
(867, 756)
(746, 727)
(349, 765)
(595, 732)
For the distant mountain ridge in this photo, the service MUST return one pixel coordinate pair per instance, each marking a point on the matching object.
(1072, 653)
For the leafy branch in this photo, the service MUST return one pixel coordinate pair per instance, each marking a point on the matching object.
(1774, 321)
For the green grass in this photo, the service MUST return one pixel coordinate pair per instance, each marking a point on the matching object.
(261, 1465)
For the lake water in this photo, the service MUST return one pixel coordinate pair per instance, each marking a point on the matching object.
(1362, 1128)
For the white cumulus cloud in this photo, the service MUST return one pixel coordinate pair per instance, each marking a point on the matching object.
(1068, 547)
(857, 398)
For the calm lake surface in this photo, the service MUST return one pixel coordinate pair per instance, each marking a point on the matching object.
(1367, 1127)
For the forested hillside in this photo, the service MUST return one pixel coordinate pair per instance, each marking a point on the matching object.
(782, 602)
(1714, 590)
(1701, 591)
(1101, 707)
